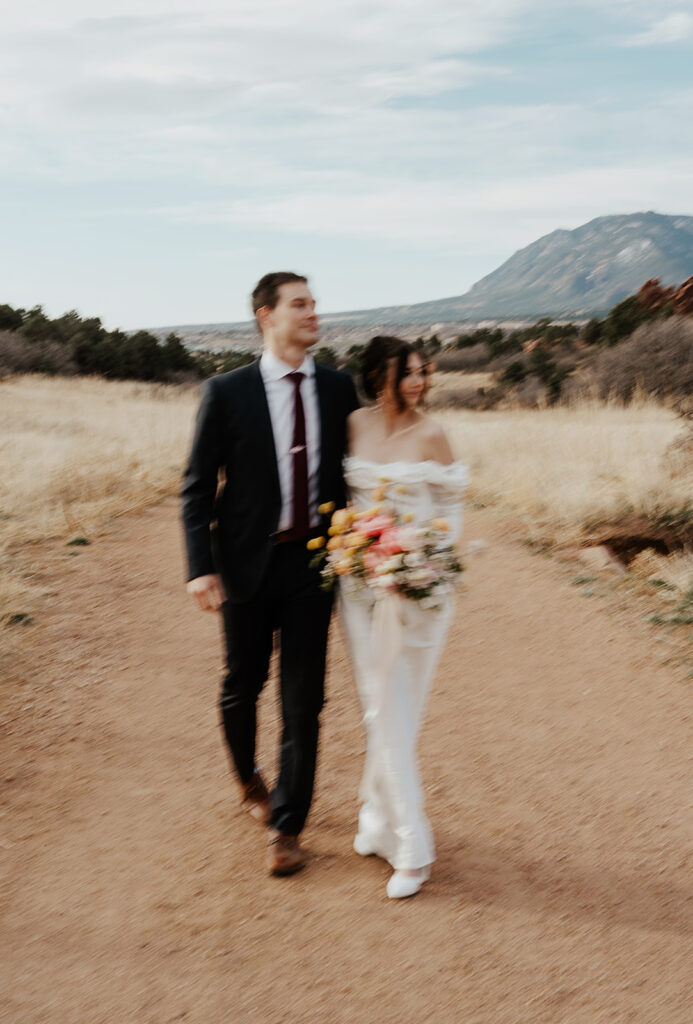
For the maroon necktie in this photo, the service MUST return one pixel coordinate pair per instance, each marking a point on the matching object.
(301, 519)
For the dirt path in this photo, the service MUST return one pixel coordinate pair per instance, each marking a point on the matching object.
(559, 771)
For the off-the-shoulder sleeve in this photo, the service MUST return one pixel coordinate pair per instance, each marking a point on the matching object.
(444, 486)
(447, 489)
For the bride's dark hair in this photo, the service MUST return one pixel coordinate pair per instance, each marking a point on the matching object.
(376, 359)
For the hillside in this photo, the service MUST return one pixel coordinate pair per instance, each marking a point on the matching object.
(574, 274)
(587, 270)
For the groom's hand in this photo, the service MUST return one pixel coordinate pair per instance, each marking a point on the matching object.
(208, 591)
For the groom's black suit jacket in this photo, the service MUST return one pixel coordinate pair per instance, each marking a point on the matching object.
(230, 526)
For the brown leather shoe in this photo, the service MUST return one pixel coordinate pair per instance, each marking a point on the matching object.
(284, 855)
(255, 799)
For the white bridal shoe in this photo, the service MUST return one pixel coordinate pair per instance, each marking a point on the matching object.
(400, 885)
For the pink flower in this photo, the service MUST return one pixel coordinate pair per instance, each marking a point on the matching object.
(390, 542)
(373, 558)
(375, 526)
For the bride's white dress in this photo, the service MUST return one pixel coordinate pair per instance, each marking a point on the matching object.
(395, 644)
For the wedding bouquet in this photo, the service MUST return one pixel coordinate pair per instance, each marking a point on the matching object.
(388, 553)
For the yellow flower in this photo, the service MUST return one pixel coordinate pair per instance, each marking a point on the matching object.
(326, 508)
(401, 489)
(407, 517)
(334, 543)
(341, 520)
(373, 511)
(353, 540)
(440, 524)
(343, 566)
(379, 493)
(315, 543)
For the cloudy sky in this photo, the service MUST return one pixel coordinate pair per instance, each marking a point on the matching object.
(156, 158)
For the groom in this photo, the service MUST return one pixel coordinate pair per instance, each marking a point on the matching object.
(266, 454)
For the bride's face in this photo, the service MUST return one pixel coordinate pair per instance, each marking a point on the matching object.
(413, 384)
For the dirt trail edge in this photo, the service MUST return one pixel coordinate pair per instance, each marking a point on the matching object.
(557, 761)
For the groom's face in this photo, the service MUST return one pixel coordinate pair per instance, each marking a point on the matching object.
(293, 320)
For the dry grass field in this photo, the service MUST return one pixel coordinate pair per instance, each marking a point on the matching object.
(563, 467)
(75, 453)
(443, 384)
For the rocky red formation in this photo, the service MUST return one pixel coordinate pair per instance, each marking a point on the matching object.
(654, 297)
(683, 300)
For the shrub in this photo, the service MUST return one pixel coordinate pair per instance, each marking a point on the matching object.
(20, 355)
(10, 319)
(326, 356)
(530, 393)
(210, 363)
(623, 319)
(592, 331)
(514, 373)
(465, 360)
(466, 398)
(505, 345)
(483, 334)
(657, 359)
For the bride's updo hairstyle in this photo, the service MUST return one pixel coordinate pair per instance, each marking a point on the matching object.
(380, 353)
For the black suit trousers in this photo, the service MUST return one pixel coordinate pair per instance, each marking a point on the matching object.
(290, 603)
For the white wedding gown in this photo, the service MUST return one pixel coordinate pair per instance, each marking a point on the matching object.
(395, 644)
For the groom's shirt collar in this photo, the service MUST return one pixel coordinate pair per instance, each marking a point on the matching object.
(274, 368)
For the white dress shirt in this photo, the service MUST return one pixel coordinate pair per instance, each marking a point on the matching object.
(280, 399)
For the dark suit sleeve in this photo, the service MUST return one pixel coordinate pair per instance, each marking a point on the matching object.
(200, 483)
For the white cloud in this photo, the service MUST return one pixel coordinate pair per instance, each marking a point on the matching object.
(428, 214)
(89, 89)
(420, 127)
(673, 28)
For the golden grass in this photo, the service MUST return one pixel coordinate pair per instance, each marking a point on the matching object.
(564, 467)
(676, 571)
(455, 381)
(75, 453)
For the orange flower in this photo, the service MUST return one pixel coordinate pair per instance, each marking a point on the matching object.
(315, 543)
(440, 524)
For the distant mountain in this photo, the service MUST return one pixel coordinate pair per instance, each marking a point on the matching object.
(571, 273)
(587, 270)
(576, 273)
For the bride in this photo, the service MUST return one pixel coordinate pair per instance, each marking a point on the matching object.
(397, 450)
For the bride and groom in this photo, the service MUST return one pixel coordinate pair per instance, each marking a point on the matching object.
(276, 443)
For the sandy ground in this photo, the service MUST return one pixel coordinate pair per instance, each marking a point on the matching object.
(558, 764)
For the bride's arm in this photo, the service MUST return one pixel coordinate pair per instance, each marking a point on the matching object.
(437, 445)
(447, 494)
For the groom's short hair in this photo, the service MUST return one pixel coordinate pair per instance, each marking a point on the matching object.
(266, 291)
